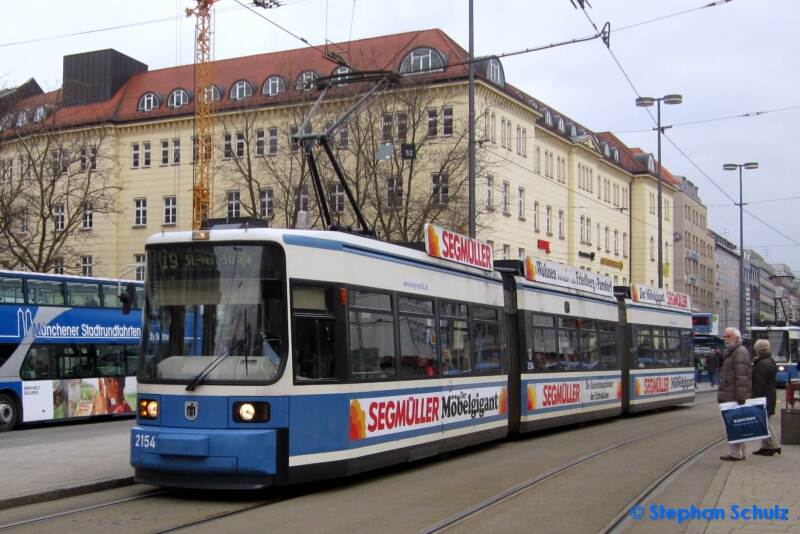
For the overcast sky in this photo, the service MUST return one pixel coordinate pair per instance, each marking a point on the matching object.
(736, 58)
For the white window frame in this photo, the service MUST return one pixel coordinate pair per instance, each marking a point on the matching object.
(140, 212)
(241, 90)
(88, 216)
(521, 202)
(87, 266)
(267, 202)
(233, 204)
(170, 209)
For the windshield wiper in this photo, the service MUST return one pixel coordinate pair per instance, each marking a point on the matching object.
(195, 381)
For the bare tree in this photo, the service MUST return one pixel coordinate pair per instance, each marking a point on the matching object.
(54, 182)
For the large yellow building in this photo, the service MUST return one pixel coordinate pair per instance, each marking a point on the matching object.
(112, 152)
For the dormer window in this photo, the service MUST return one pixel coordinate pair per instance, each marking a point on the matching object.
(7, 122)
(41, 113)
(273, 86)
(23, 118)
(548, 118)
(651, 163)
(616, 155)
(213, 93)
(422, 60)
(241, 90)
(606, 150)
(573, 131)
(148, 102)
(178, 98)
(305, 82)
(561, 126)
(494, 71)
(339, 71)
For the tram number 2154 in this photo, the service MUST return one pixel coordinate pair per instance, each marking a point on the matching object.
(145, 441)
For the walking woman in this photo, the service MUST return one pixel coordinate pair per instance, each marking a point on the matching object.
(764, 371)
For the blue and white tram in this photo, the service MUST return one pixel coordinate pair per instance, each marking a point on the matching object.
(569, 363)
(656, 349)
(315, 355)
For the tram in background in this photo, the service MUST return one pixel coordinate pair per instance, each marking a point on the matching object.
(784, 341)
(325, 354)
(66, 348)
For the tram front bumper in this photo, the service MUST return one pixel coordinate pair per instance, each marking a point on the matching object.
(224, 451)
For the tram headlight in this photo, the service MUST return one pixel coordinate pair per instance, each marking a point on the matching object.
(781, 368)
(250, 412)
(148, 408)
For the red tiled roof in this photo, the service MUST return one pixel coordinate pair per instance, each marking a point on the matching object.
(665, 174)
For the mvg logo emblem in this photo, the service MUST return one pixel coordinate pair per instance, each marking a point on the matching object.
(190, 410)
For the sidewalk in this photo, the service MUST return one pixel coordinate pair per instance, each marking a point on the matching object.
(763, 482)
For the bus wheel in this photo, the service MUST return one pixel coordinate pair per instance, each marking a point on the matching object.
(8, 413)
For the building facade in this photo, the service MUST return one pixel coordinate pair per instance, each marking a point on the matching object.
(726, 274)
(546, 185)
(695, 251)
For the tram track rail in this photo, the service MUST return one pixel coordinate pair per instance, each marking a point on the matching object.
(620, 519)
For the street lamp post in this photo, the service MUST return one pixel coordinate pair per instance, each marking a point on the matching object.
(644, 102)
(733, 167)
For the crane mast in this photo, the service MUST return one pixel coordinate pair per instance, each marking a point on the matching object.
(203, 115)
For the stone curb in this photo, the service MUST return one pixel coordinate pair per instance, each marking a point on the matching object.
(63, 493)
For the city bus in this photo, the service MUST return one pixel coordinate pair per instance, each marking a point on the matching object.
(784, 342)
(67, 350)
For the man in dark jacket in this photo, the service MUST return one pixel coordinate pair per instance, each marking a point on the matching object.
(712, 366)
(764, 372)
(735, 383)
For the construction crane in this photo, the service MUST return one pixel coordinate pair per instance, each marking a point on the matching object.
(203, 115)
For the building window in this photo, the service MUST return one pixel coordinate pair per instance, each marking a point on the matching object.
(58, 217)
(259, 143)
(598, 236)
(294, 142)
(494, 128)
(505, 199)
(164, 152)
(139, 272)
(241, 90)
(589, 231)
(394, 193)
(146, 154)
(170, 210)
(273, 86)
(59, 162)
(273, 141)
(561, 223)
(503, 132)
(301, 198)
(87, 267)
(227, 151)
(337, 198)
(178, 98)
(447, 121)
(233, 204)
(490, 192)
(87, 216)
(433, 124)
(239, 145)
(140, 212)
(506, 252)
(439, 188)
(58, 266)
(148, 102)
(537, 160)
(176, 151)
(402, 126)
(422, 60)
(267, 203)
(305, 81)
(521, 202)
(548, 222)
(344, 137)
(387, 127)
(521, 253)
(625, 244)
(536, 216)
(24, 221)
(508, 135)
(616, 241)
(519, 140)
(652, 249)
(606, 240)
(524, 141)
(583, 229)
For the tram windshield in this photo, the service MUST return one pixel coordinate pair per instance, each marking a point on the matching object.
(215, 313)
(783, 349)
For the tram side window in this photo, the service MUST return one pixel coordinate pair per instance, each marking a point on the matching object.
(644, 357)
(487, 341)
(454, 338)
(85, 295)
(568, 344)
(45, 292)
(660, 348)
(11, 290)
(673, 348)
(590, 358)
(314, 327)
(417, 331)
(545, 353)
(687, 348)
(607, 346)
(372, 350)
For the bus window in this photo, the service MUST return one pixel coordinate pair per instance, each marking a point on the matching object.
(314, 327)
(38, 363)
(111, 297)
(45, 292)
(86, 295)
(11, 290)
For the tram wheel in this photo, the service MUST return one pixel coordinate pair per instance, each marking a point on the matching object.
(8, 413)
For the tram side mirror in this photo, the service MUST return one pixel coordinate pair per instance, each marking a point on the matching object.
(128, 298)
